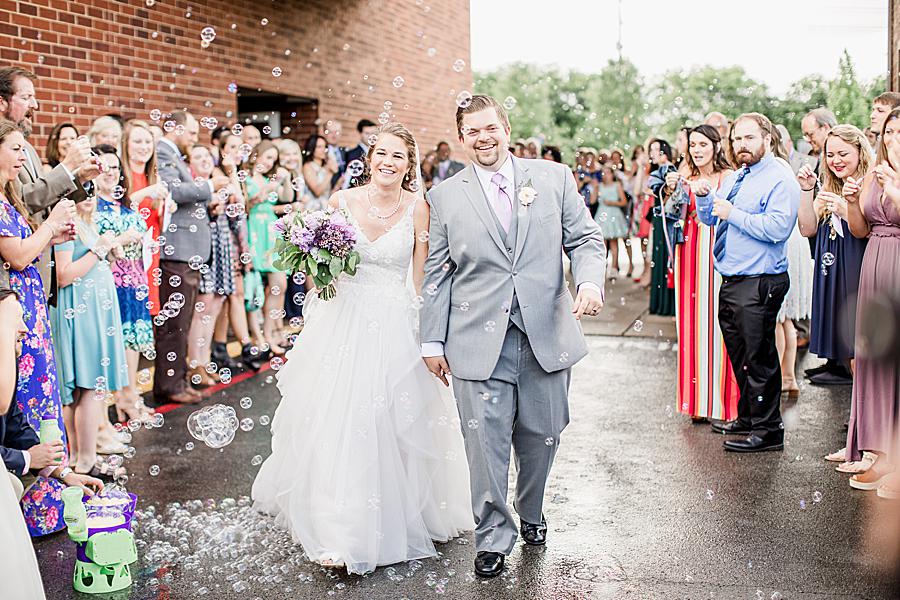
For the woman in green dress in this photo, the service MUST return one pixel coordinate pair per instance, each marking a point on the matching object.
(662, 296)
(266, 184)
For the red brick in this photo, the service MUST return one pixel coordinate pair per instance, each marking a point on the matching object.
(103, 50)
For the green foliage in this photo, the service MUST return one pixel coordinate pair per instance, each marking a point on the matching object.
(618, 107)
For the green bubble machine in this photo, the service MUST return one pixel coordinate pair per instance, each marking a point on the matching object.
(103, 553)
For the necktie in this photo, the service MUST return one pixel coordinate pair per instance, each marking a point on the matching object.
(722, 228)
(502, 203)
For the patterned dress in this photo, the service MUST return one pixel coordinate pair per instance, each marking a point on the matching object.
(218, 277)
(129, 274)
(37, 388)
(706, 383)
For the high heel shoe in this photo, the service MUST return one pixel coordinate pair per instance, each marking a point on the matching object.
(254, 362)
(221, 357)
(133, 408)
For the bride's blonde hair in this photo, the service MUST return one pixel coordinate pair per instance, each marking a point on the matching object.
(400, 131)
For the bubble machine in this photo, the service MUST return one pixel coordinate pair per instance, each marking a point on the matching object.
(101, 530)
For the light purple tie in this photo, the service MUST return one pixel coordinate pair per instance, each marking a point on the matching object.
(501, 201)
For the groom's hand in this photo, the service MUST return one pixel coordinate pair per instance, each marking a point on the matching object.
(587, 302)
(438, 365)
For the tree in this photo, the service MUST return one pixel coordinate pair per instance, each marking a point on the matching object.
(685, 97)
(846, 97)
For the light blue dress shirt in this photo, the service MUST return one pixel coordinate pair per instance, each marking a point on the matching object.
(764, 214)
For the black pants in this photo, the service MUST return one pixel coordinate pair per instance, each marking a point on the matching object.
(748, 308)
(172, 335)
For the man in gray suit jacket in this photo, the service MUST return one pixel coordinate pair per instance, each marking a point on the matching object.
(498, 313)
(187, 240)
(42, 191)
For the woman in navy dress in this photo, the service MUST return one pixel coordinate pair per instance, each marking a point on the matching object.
(838, 254)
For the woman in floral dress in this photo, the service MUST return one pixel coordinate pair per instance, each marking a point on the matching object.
(128, 272)
(37, 388)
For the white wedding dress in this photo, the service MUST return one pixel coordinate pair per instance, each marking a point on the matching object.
(18, 568)
(368, 464)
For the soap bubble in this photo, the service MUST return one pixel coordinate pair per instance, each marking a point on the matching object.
(276, 72)
(638, 326)
(213, 425)
(509, 103)
(398, 81)
(458, 65)
(246, 402)
(256, 460)
(828, 259)
(154, 470)
(207, 34)
(464, 99)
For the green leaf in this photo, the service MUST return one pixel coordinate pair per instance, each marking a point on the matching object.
(325, 255)
(353, 260)
(335, 266)
(349, 269)
(312, 267)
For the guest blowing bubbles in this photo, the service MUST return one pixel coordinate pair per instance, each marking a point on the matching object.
(37, 388)
(838, 256)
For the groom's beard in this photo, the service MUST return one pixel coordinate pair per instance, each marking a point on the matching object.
(490, 159)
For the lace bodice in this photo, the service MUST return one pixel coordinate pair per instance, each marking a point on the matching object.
(384, 261)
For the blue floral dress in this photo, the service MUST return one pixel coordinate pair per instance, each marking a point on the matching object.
(129, 274)
(37, 388)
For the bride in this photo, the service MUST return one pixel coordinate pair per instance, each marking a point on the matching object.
(368, 465)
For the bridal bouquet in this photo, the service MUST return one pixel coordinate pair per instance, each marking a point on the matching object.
(320, 244)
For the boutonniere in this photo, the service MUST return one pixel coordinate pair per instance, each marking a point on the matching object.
(527, 194)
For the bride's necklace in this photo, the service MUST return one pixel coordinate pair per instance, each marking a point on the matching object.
(373, 210)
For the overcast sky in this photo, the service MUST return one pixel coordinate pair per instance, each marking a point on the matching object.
(776, 41)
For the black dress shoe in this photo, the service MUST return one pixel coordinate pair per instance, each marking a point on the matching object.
(534, 535)
(831, 378)
(816, 370)
(755, 443)
(731, 428)
(489, 564)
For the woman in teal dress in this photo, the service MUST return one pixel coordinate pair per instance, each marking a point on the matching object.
(266, 184)
(87, 330)
(113, 214)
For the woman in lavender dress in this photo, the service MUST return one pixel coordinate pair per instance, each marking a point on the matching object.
(875, 409)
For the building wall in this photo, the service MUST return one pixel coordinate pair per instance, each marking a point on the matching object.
(132, 56)
(894, 45)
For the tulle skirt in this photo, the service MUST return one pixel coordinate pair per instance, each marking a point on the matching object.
(368, 464)
(18, 569)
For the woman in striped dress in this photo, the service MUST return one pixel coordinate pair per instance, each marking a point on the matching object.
(707, 388)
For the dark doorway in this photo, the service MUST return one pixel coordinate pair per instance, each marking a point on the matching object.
(278, 115)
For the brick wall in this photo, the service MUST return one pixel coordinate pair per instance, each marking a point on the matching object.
(130, 57)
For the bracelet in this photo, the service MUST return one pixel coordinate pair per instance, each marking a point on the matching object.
(803, 189)
(64, 473)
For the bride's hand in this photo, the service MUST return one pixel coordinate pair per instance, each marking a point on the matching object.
(439, 368)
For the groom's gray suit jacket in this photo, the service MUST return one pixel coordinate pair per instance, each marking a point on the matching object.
(473, 278)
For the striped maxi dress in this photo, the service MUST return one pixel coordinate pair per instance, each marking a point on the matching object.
(706, 384)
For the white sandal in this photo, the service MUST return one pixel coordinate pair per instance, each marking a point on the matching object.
(838, 457)
(858, 466)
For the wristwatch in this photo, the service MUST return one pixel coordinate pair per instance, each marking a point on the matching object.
(64, 473)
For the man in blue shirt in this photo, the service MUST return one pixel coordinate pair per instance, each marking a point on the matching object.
(753, 222)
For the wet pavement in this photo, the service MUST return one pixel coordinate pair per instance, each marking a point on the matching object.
(641, 504)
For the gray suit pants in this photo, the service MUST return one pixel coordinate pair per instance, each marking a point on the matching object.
(521, 407)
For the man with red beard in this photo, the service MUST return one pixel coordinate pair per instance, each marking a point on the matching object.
(753, 222)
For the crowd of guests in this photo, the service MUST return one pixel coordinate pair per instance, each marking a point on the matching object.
(133, 248)
(812, 252)
(138, 242)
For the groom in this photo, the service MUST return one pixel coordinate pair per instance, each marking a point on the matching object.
(498, 313)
